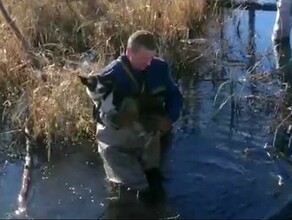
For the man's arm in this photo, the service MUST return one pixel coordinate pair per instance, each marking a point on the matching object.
(174, 98)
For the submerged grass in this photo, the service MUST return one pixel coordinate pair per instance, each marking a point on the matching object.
(58, 31)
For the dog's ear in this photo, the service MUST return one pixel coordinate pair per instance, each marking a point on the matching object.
(83, 79)
(89, 81)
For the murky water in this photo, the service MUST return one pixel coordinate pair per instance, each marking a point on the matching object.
(75, 183)
(217, 166)
(10, 181)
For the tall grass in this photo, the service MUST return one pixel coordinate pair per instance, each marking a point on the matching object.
(59, 31)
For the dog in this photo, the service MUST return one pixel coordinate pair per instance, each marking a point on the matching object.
(146, 106)
(98, 94)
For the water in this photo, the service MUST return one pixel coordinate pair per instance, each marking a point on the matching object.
(217, 166)
(10, 181)
(76, 183)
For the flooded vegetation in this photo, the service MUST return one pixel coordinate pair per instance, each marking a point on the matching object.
(229, 156)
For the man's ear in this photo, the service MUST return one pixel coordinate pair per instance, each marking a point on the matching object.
(89, 81)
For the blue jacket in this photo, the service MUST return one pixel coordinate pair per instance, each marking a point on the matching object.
(156, 78)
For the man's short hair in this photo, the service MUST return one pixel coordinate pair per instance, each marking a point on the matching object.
(142, 38)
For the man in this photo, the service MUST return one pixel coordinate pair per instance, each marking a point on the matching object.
(282, 26)
(131, 161)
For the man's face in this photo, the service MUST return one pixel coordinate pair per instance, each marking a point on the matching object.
(140, 59)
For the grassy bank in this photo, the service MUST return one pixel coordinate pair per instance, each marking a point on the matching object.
(59, 31)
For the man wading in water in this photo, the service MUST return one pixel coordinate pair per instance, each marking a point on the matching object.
(131, 161)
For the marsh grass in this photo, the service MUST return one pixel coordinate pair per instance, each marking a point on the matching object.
(59, 31)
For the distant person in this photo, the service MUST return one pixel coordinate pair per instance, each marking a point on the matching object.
(282, 25)
(282, 51)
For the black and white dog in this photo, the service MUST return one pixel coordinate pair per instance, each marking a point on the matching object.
(144, 105)
(102, 100)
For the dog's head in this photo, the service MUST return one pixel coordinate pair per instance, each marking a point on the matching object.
(92, 86)
(89, 81)
(99, 94)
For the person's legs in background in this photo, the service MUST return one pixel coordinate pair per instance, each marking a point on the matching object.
(282, 25)
(282, 51)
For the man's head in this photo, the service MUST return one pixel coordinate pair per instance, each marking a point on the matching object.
(141, 49)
